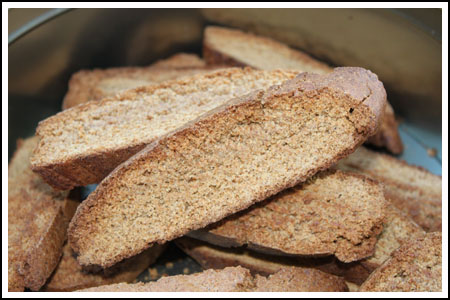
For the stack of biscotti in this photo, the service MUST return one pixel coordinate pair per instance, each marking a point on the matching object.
(237, 279)
(233, 156)
(397, 229)
(226, 46)
(91, 85)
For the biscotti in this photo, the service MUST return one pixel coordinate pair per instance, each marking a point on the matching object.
(398, 228)
(232, 157)
(414, 267)
(69, 275)
(82, 145)
(237, 279)
(411, 189)
(333, 213)
(89, 85)
(233, 279)
(37, 222)
(226, 46)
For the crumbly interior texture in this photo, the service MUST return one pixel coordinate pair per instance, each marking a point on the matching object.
(70, 276)
(233, 279)
(414, 267)
(397, 229)
(36, 224)
(87, 142)
(411, 189)
(332, 213)
(90, 85)
(256, 51)
(237, 279)
(232, 157)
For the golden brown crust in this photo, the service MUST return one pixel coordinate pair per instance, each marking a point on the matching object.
(388, 135)
(415, 266)
(178, 151)
(320, 217)
(36, 223)
(69, 275)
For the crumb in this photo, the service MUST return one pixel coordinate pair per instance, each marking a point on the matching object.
(153, 273)
(186, 270)
(149, 117)
(169, 265)
(432, 152)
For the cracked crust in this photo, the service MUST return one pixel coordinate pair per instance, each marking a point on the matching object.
(333, 213)
(414, 267)
(252, 148)
(37, 222)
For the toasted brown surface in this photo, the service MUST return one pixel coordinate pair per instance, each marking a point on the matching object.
(388, 135)
(295, 279)
(82, 145)
(88, 85)
(414, 267)
(235, 47)
(333, 213)
(398, 228)
(252, 148)
(237, 279)
(36, 223)
(69, 275)
(411, 189)
(233, 279)
(226, 46)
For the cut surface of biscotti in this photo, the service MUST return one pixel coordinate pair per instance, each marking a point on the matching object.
(226, 46)
(237, 279)
(397, 229)
(89, 85)
(414, 267)
(411, 189)
(235, 47)
(70, 276)
(333, 213)
(36, 222)
(230, 158)
(233, 279)
(82, 145)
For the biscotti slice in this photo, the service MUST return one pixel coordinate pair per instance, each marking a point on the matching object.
(70, 276)
(294, 279)
(414, 267)
(411, 189)
(230, 158)
(37, 222)
(233, 279)
(82, 145)
(237, 279)
(333, 213)
(226, 46)
(89, 85)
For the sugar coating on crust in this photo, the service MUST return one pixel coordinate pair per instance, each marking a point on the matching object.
(414, 267)
(332, 213)
(233, 156)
